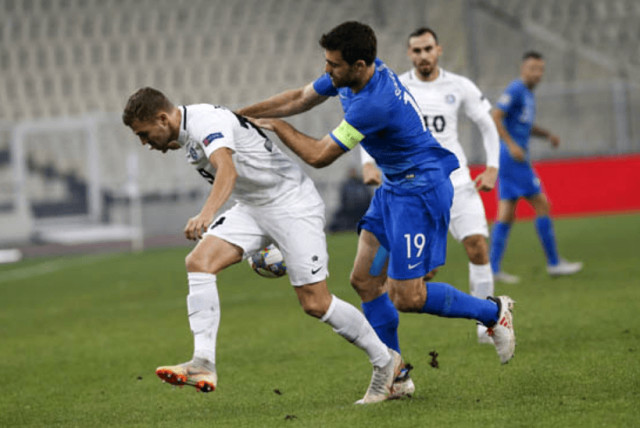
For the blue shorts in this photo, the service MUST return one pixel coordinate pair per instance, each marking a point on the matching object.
(413, 228)
(516, 180)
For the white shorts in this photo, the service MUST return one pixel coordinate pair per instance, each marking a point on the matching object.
(296, 229)
(467, 213)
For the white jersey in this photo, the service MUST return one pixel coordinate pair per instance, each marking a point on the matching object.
(440, 101)
(265, 174)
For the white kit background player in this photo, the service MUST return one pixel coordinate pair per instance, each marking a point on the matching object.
(440, 96)
(275, 202)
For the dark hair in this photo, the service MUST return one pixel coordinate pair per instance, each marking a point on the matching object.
(531, 54)
(144, 105)
(354, 40)
(423, 30)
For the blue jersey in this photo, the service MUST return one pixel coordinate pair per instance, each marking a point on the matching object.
(519, 105)
(386, 120)
(517, 179)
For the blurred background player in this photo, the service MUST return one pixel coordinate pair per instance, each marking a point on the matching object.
(275, 201)
(440, 94)
(409, 213)
(514, 117)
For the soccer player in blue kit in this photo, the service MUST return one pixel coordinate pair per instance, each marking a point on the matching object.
(409, 214)
(515, 119)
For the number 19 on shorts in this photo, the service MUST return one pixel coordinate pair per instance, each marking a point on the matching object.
(415, 244)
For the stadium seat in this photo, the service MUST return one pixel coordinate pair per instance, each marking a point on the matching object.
(81, 56)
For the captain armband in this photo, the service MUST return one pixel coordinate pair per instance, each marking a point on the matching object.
(346, 135)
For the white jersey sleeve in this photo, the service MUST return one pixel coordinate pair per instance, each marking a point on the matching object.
(474, 102)
(478, 108)
(215, 133)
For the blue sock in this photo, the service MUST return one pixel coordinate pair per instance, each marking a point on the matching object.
(383, 317)
(447, 301)
(499, 235)
(544, 226)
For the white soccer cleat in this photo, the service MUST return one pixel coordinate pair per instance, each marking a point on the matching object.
(504, 338)
(483, 336)
(505, 278)
(403, 385)
(198, 373)
(381, 385)
(564, 268)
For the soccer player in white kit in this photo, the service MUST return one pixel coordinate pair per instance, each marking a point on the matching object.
(275, 201)
(440, 95)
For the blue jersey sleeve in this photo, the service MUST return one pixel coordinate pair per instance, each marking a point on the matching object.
(367, 118)
(362, 119)
(324, 86)
(511, 98)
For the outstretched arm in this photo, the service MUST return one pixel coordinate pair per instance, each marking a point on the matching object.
(287, 103)
(541, 132)
(317, 153)
(221, 189)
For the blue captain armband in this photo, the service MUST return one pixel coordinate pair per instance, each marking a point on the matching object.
(346, 135)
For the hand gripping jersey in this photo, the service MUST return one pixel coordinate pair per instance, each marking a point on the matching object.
(440, 101)
(265, 174)
(386, 120)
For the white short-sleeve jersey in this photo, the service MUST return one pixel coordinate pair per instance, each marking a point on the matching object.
(440, 101)
(265, 174)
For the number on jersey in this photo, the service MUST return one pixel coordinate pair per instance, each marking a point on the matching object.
(207, 176)
(418, 242)
(437, 123)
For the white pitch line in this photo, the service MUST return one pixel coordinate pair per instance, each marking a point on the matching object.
(50, 267)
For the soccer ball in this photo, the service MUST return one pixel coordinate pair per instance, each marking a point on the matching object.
(268, 262)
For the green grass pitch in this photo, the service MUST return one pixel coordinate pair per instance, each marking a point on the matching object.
(80, 338)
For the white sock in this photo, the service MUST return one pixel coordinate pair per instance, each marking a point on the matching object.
(204, 314)
(351, 324)
(481, 286)
(480, 280)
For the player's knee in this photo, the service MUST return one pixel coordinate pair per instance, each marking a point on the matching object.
(358, 282)
(195, 262)
(543, 208)
(405, 301)
(477, 249)
(508, 217)
(314, 307)
(367, 287)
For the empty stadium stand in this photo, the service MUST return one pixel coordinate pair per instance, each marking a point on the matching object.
(83, 58)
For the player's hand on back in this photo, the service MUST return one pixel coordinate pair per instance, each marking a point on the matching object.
(554, 140)
(486, 180)
(262, 123)
(197, 226)
(371, 175)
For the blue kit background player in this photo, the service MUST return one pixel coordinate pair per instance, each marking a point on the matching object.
(409, 213)
(514, 116)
